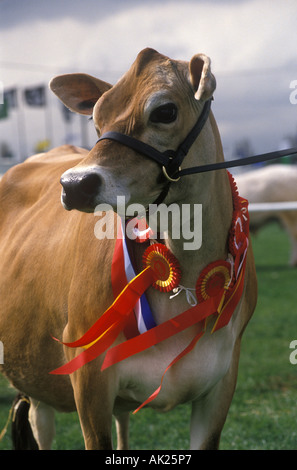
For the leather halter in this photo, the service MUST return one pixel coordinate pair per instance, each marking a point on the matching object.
(171, 160)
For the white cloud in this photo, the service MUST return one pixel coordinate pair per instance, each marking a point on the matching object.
(252, 44)
(237, 35)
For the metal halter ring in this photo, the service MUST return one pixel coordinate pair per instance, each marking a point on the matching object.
(172, 180)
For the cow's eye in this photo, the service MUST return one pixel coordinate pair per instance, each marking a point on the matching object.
(165, 114)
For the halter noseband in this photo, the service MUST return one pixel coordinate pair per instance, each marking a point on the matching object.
(171, 160)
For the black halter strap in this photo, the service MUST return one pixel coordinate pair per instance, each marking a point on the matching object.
(171, 160)
(263, 157)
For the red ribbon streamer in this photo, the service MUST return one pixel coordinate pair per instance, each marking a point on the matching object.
(161, 332)
(108, 327)
(165, 330)
(91, 353)
(231, 302)
(119, 281)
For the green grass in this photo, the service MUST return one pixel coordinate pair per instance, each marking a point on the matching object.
(263, 414)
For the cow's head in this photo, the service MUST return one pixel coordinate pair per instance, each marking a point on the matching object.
(157, 102)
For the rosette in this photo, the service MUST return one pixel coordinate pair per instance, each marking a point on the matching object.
(214, 278)
(165, 267)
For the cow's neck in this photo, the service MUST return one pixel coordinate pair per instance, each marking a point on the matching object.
(216, 206)
(211, 190)
(217, 211)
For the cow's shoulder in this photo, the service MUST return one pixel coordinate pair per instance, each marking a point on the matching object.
(37, 177)
(62, 153)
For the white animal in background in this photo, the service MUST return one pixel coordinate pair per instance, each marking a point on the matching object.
(272, 183)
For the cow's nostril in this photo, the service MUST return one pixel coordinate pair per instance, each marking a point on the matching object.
(89, 184)
(79, 191)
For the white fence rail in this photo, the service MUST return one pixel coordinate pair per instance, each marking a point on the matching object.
(272, 206)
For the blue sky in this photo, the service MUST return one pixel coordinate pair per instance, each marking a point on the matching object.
(252, 44)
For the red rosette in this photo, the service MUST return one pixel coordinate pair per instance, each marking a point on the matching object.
(238, 235)
(165, 266)
(213, 278)
(234, 190)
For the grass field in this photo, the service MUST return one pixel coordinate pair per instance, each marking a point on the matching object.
(263, 414)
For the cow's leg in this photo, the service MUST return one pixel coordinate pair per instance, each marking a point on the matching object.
(42, 421)
(122, 427)
(93, 394)
(209, 412)
(205, 427)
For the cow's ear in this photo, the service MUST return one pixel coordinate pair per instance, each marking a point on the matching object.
(78, 91)
(202, 79)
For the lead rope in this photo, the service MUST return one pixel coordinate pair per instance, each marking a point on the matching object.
(191, 298)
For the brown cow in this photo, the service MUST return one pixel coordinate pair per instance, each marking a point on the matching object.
(55, 274)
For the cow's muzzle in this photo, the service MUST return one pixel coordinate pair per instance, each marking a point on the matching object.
(80, 190)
